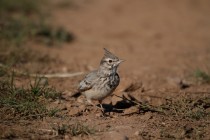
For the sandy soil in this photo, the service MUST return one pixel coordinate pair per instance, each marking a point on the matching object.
(163, 42)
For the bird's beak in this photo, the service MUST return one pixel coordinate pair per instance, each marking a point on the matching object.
(120, 61)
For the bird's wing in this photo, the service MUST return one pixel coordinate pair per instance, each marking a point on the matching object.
(88, 82)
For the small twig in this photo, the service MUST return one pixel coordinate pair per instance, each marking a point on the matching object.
(56, 75)
(142, 106)
(127, 99)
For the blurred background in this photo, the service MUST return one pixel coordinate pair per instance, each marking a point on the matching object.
(166, 45)
(158, 39)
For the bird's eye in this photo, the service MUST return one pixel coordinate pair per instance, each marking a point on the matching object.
(110, 61)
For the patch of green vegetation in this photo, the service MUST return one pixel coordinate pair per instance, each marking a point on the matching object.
(74, 129)
(24, 21)
(3, 71)
(80, 129)
(23, 6)
(51, 36)
(67, 4)
(202, 76)
(61, 129)
(188, 108)
(40, 88)
(16, 31)
(25, 103)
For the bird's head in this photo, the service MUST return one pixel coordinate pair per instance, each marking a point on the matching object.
(110, 61)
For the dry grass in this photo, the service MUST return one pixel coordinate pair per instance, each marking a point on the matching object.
(25, 103)
(76, 129)
(202, 76)
(26, 20)
(188, 108)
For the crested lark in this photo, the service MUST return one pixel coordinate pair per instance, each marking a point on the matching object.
(100, 83)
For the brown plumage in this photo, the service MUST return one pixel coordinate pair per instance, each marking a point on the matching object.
(100, 83)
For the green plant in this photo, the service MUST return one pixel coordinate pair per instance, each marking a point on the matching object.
(24, 20)
(61, 129)
(23, 6)
(202, 76)
(80, 129)
(26, 103)
(16, 31)
(188, 108)
(74, 129)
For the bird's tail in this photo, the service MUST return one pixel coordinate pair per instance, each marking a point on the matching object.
(77, 94)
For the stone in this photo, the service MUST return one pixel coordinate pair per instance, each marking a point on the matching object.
(131, 110)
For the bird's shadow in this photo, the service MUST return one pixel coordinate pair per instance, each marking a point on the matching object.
(119, 107)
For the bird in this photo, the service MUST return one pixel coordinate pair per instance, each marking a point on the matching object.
(102, 82)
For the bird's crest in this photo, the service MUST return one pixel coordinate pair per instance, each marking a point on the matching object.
(109, 54)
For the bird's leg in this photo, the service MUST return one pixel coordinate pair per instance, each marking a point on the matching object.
(102, 109)
(90, 102)
(100, 102)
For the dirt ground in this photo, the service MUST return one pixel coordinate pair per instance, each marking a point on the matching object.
(163, 43)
